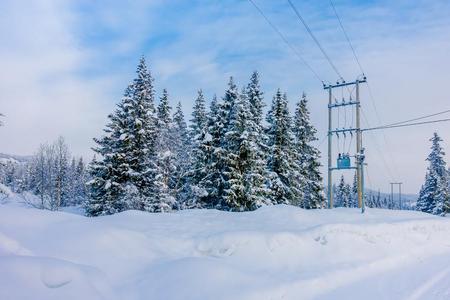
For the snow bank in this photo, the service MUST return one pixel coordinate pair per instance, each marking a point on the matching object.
(277, 252)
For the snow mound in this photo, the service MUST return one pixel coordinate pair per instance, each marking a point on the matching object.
(47, 278)
(277, 252)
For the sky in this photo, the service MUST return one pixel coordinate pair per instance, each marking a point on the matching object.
(65, 64)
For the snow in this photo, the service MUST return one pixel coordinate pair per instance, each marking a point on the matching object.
(276, 252)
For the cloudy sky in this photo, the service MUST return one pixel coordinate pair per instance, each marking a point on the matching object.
(64, 65)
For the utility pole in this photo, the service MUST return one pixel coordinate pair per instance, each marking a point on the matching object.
(359, 155)
(330, 136)
(399, 184)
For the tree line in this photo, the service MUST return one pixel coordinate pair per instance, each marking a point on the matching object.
(346, 195)
(228, 158)
(232, 156)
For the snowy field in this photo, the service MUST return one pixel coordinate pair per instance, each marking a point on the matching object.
(276, 252)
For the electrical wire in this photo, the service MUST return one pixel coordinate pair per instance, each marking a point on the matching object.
(372, 99)
(285, 40)
(346, 36)
(299, 16)
(406, 125)
(378, 149)
(420, 118)
(385, 139)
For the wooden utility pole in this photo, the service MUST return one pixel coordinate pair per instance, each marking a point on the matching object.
(399, 193)
(330, 136)
(359, 155)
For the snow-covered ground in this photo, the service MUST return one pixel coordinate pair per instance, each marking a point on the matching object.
(277, 252)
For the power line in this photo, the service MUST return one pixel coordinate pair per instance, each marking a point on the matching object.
(420, 118)
(285, 40)
(405, 125)
(314, 38)
(346, 36)
(378, 149)
(385, 140)
(372, 99)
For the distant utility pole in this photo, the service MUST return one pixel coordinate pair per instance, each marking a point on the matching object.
(399, 193)
(343, 161)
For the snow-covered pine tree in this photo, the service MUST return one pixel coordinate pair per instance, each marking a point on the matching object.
(434, 195)
(258, 140)
(308, 157)
(244, 163)
(347, 196)
(441, 197)
(110, 172)
(182, 150)
(199, 154)
(256, 101)
(378, 203)
(284, 189)
(216, 180)
(340, 198)
(128, 154)
(165, 150)
(78, 179)
(72, 181)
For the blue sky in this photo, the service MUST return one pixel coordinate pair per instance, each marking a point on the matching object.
(66, 63)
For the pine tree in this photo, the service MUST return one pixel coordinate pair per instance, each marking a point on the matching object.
(308, 157)
(434, 194)
(199, 156)
(281, 165)
(441, 197)
(258, 141)
(78, 179)
(256, 101)
(109, 173)
(166, 155)
(340, 200)
(217, 182)
(244, 164)
(127, 151)
(182, 150)
(347, 195)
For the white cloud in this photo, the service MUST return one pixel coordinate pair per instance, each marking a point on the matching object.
(42, 95)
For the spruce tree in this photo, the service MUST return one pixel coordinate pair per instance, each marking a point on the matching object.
(308, 157)
(434, 194)
(347, 196)
(258, 140)
(340, 200)
(244, 164)
(217, 182)
(281, 160)
(199, 155)
(127, 153)
(165, 150)
(182, 150)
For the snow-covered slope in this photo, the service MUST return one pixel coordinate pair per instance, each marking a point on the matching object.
(17, 159)
(277, 252)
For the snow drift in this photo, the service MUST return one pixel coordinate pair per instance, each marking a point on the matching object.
(277, 252)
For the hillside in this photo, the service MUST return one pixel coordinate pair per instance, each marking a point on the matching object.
(277, 252)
